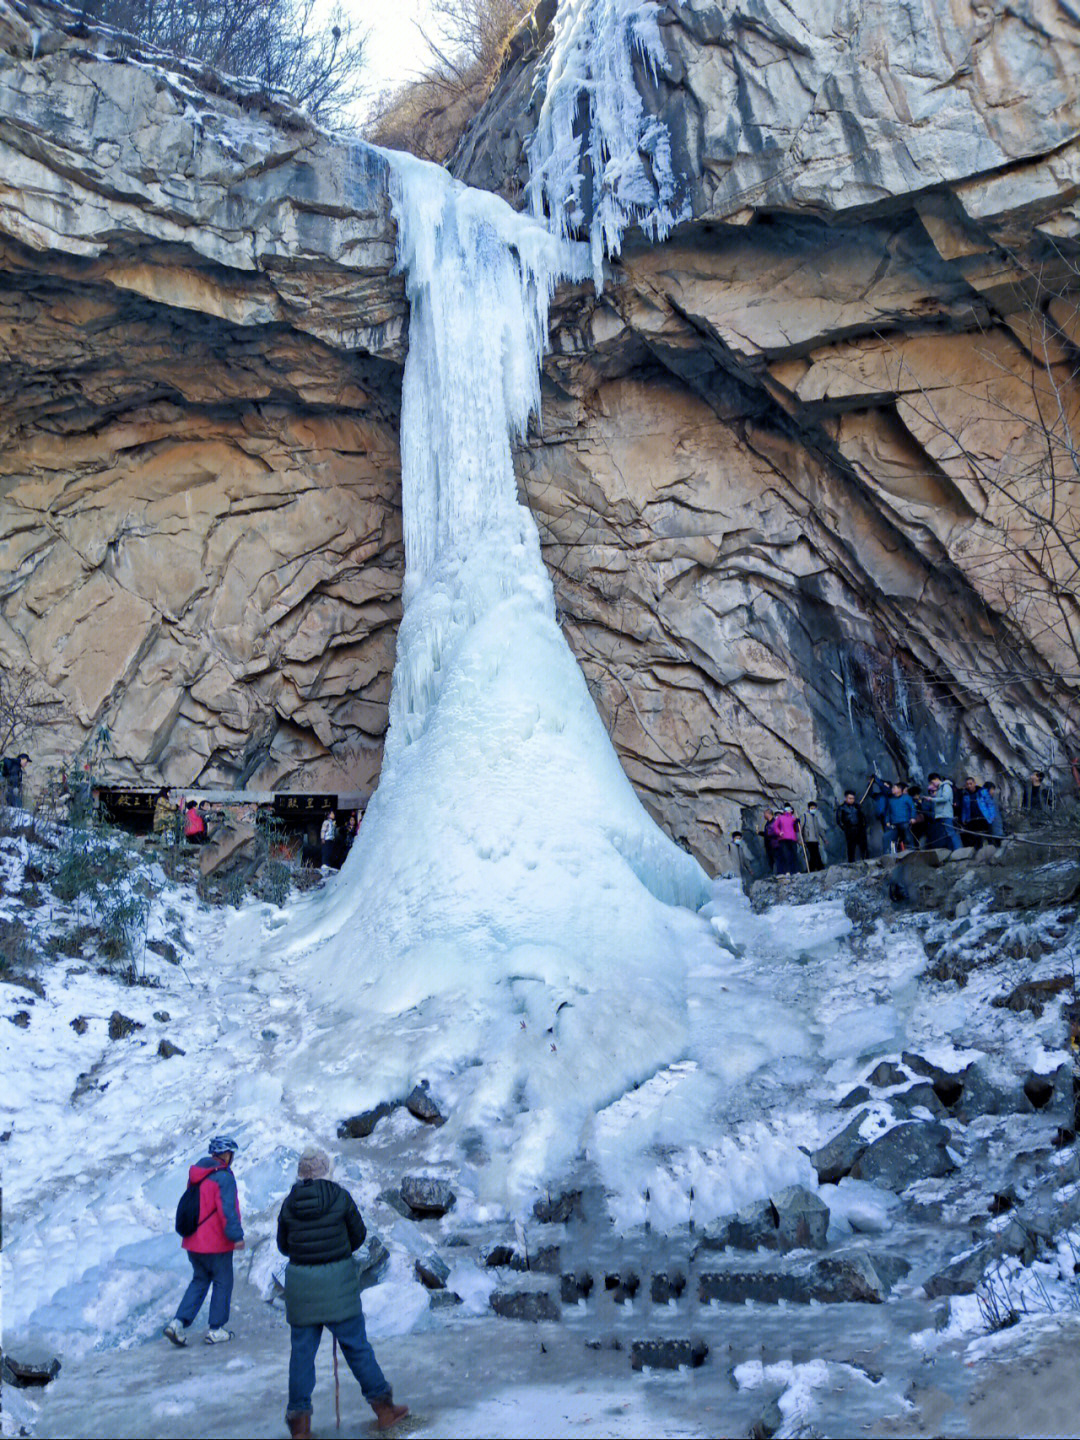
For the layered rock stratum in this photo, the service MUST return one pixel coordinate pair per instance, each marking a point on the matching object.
(776, 471)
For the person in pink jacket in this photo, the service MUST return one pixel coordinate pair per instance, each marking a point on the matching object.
(210, 1249)
(786, 830)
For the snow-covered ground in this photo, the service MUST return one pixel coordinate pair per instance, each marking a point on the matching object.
(792, 1012)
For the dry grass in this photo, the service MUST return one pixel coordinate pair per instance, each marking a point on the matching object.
(429, 115)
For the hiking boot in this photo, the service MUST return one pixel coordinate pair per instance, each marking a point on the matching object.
(217, 1337)
(299, 1425)
(387, 1413)
(175, 1331)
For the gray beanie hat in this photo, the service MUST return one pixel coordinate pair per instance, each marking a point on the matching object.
(314, 1165)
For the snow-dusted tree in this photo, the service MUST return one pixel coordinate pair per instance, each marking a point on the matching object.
(292, 45)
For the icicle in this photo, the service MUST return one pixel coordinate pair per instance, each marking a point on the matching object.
(623, 153)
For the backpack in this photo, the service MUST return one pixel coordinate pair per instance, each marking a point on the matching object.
(187, 1209)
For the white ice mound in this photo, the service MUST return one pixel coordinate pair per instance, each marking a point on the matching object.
(508, 900)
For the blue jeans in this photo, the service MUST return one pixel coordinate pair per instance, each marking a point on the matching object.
(359, 1356)
(208, 1270)
(945, 836)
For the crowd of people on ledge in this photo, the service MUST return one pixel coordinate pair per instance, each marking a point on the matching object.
(946, 816)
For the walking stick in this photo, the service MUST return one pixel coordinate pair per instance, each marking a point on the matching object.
(337, 1387)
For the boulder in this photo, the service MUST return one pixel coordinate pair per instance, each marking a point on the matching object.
(372, 1261)
(885, 1073)
(432, 1271)
(1025, 888)
(359, 1127)
(443, 1300)
(29, 1369)
(913, 1150)
(923, 1094)
(427, 1195)
(836, 1157)
(166, 1049)
(752, 1226)
(420, 1104)
(983, 1096)
(802, 1219)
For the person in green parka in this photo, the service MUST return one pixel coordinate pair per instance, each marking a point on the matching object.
(318, 1228)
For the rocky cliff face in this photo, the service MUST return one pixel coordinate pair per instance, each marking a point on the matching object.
(765, 475)
(200, 538)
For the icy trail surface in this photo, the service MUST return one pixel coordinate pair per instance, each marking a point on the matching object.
(508, 892)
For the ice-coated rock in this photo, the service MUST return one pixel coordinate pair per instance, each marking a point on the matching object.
(913, 1150)
(432, 1271)
(427, 1195)
(802, 1219)
(421, 1104)
(835, 1158)
(359, 1127)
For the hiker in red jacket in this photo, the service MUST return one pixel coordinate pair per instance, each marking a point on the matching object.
(194, 825)
(210, 1248)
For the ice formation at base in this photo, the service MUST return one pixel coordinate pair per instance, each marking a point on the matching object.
(505, 867)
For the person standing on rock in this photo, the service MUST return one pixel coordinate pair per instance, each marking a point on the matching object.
(896, 820)
(978, 810)
(852, 822)
(786, 830)
(328, 839)
(939, 805)
(768, 839)
(995, 817)
(813, 838)
(210, 1248)
(318, 1229)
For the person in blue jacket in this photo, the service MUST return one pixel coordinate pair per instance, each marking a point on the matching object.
(898, 813)
(978, 812)
(996, 817)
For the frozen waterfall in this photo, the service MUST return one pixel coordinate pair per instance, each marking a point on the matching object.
(510, 914)
(505, 872)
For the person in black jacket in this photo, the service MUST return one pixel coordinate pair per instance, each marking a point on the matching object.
(852, 822)
(318, 1228)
